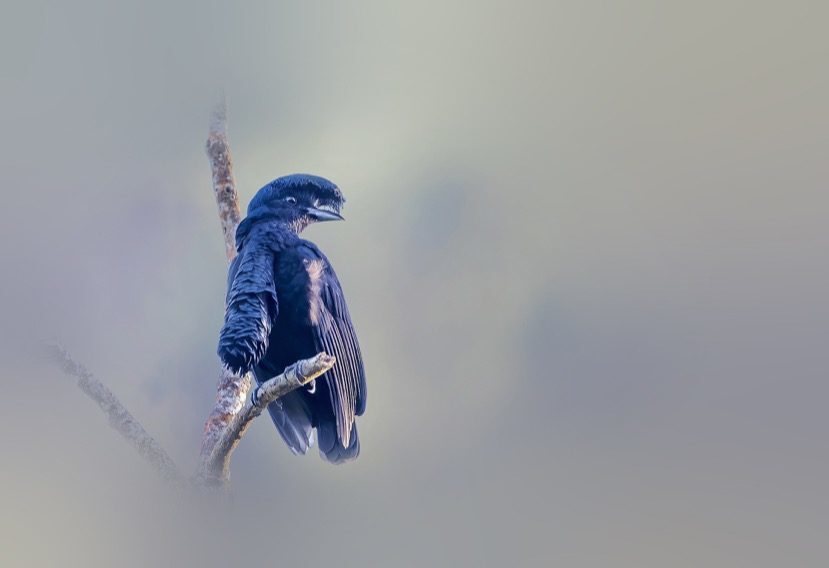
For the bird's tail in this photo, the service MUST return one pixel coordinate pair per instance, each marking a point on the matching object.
(331, 448)
(292, 416)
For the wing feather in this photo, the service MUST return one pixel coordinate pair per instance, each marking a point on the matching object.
(334, 333)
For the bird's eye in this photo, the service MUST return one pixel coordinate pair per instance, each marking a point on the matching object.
(290, 199)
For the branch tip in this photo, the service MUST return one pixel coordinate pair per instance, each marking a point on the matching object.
(218, 118)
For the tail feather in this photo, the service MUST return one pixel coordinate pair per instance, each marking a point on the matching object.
(295, 417)
(331, 449)
(292, 417)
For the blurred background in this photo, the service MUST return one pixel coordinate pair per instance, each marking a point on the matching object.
(585, 255)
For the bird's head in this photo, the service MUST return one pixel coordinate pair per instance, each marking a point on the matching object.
(299, 200)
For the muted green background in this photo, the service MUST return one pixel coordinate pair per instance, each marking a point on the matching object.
(585, 254)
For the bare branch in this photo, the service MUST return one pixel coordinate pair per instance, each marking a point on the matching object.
(215, 469)
(232, 390)
(119, 417)
(233, 412)
(224, 186)
(231, 393)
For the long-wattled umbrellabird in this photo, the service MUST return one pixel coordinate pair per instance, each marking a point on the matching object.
(284, 303)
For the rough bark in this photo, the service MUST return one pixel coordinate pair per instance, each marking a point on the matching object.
(231, 393)
(232, 390)
(224, 185)
(215, 469)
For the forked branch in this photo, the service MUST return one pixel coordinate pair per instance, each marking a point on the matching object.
(216, 468)
(233, 411)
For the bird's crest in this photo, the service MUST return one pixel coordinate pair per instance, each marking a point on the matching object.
(315, 187)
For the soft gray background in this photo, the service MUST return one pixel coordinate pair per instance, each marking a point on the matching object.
(585, 254)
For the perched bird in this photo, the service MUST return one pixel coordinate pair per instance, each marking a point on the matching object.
(284, 303)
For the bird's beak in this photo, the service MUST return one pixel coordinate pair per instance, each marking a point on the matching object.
(323, 215)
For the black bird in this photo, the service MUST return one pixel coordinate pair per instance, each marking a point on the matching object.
(284, 303)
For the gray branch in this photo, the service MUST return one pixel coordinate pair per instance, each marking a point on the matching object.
(231, 390)
(118, 416)
(224, 184)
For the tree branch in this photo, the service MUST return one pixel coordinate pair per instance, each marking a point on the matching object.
(216, 468)
(232, 390)
(233, 412)
(118, 416)
(224, 185)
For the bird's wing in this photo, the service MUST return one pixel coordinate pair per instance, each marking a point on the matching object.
(334, 333)
(251, 306)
